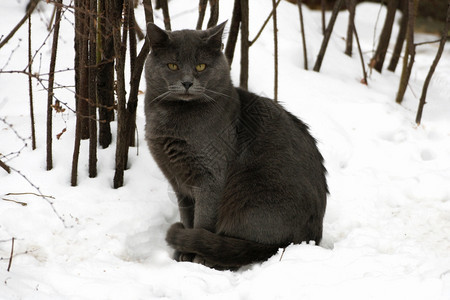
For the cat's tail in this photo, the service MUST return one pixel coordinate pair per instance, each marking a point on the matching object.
(218, 250)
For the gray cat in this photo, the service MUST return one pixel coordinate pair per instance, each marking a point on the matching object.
(248, 176)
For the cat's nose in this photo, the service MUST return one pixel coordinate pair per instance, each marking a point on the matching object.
(187, 84)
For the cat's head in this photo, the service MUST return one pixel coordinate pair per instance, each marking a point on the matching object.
(187, 64)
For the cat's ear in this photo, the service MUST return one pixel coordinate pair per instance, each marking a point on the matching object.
(214, 39)
(156, 36)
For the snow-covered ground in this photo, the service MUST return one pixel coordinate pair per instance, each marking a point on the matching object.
(387, 226)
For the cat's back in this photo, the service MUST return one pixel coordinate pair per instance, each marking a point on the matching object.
(278, 138)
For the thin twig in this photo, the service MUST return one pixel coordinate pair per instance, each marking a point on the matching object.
(29, 193)
(43, 197)
(282, 253)
(275, 49)
(360, 53)
(11, 256)
(5, 167)
(430, 42)
(18, 202)
(422, 100)
(30, 9)
(30, 87)
(264, 25)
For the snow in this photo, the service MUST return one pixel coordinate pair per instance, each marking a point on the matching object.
(387, 225)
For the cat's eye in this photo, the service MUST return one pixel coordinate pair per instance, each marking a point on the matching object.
(173, 67)
(200, 67)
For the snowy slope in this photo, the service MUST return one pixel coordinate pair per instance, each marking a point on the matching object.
(387, 226)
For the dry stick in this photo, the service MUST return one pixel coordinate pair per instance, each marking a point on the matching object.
(92, 89)
(214, 13)
(243, 80)
(105, 76)
(130, 111)
(165, 9)
(264, 24)
(275, 49)
(50, 84)
(385, 36)
(14, 201)
(5, 167)
(322, 5)
(122, 114)
(29, 193)
(49, 27)
(234, 31)
(282, 253)
(133, 56)
(30, 87)
(431, 42)
(79, 29)
(30, 10)
(351, 20)
(423, 96)
(84, 70)
(360, 54)
(12, 254)
(302, 30)
(400, 40)
(410, 52)
(327, 35)
(120, 50)
(201, 13)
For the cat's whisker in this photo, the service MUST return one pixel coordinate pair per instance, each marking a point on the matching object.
(161, 97)
(221, 94)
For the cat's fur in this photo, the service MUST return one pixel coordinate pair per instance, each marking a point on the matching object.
(247, 174)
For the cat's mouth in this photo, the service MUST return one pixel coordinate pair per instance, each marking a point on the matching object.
(186, 96)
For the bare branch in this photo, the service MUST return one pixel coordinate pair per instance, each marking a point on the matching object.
(201, 13)
(275, 49)
(264, 24)
(30, 87)
(433, 67)
(302, 29)
(12, 254)
(30, 10)
(5, 167)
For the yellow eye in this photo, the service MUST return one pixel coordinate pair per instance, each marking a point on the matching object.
(173, 67)
(200, 67)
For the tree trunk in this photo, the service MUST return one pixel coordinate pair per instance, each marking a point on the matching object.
(51, 80)
(327, 35)
(234, 31)
(105, 76)
(400, 38)
(243, 82)
(302, 30)
(410, 52)
(84, 72)
(423, 96)
(133, 55)
(351, 6)
(30, 86)
(322, 6)
(201, 13)
(385, 35)
(214, 13)
(92, 89)
(77, 63)
(120, 50)
(165, 9)
(275, 50)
